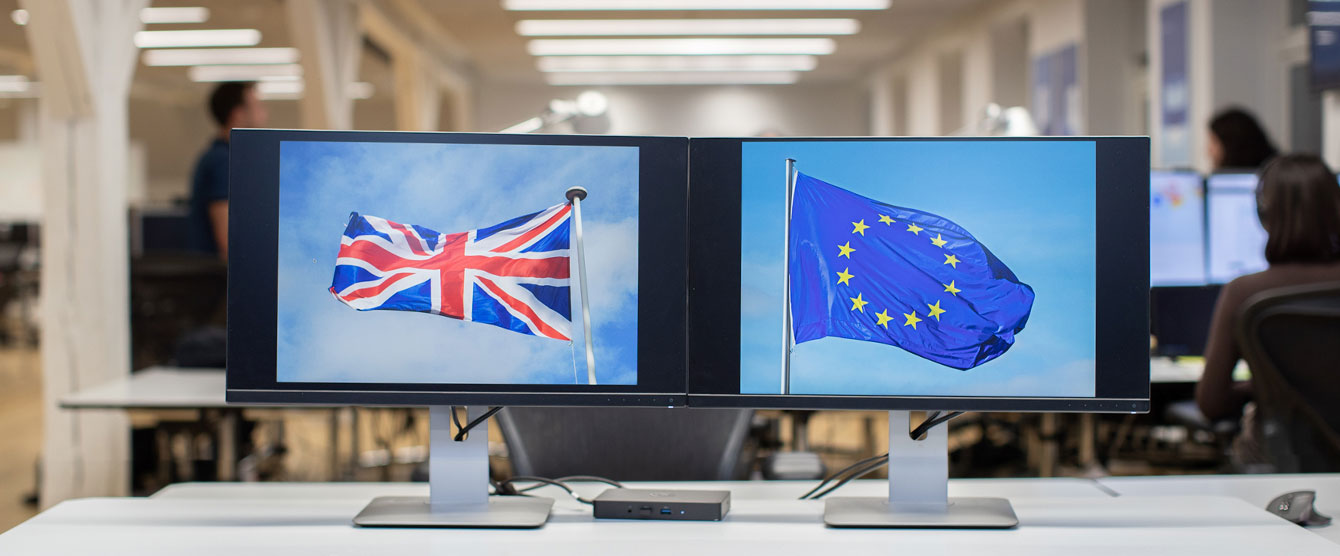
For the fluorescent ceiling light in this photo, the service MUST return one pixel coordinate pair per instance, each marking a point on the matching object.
(624, 27)
(672, 78)
(197, 37)
(676, 63)
(207, 74)
(220, 56)
(19, 16)
(174, 15)
(626, 5)
(290, 90)
(692, 47)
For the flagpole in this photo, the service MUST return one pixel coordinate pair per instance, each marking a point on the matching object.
(575, 196)
(786, 280)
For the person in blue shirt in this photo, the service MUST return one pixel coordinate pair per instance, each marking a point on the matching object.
(232, 104)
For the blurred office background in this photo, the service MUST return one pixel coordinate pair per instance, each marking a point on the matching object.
(102, 118)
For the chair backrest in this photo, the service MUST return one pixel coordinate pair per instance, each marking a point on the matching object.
(626, 444)
(1290, 337)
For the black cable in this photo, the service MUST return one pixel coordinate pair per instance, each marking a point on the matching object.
(865, 466)
(931, 421)
(839, 473)
(577, 478)
(853, 476)
(527, 479)
(463, 432)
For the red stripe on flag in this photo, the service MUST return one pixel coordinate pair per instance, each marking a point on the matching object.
(536, 231)
(545, 329)
(373, 291)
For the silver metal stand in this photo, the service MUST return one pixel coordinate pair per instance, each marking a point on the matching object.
(919, 490)
(458, 482)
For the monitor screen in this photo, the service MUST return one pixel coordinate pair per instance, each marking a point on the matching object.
(1176, 228)
(1237, 243)
(920, 273)
(427, 268)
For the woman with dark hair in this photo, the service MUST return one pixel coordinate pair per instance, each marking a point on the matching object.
(1237, 141)
(1298, 202)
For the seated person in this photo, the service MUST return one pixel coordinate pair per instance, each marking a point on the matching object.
(1298, 202)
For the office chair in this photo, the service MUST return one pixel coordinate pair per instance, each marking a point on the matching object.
(1291, 339)
(627, 444)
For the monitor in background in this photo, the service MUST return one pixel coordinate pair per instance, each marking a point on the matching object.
(442, 269)
(1180, 318)
(1176, 228)
(1237, 242)
(920, 274)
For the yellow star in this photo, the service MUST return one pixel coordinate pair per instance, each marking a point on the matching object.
(951, 289)
(884, 318)
(844, 276)
(938, 241)
(936, 311)
(859, 227)
(914, 228)
(885, 219)
(912, 320)
(845, 250)
(858, 304)
(949, 260)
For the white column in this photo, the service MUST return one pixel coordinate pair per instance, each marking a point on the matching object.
(1330, 130)
(85, 58)
(418, 101)
(327, 34)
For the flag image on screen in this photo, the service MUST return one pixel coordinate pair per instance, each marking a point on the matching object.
(513, 275)
(867, 270)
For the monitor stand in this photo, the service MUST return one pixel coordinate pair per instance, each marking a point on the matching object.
(458, 487)
(919, 490)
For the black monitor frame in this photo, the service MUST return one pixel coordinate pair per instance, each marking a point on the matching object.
(1122, 343)
(253, 261)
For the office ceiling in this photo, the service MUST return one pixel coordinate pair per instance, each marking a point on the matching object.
(486, 32)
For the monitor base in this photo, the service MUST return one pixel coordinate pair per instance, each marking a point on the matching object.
(919, 489)
(959, 513)
(501, 512)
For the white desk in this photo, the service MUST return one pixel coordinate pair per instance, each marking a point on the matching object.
(1163, 370)
(154, 388)
(302, 519)
(749, 490)
(174, 388)
(1257, 490)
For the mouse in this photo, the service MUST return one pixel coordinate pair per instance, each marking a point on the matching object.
(1298, 507)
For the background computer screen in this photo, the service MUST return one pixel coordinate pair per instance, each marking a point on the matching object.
(449, 263)
(1176, 228)
(964, 269)
(1237, 242)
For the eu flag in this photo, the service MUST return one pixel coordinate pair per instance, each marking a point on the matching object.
(871, 271)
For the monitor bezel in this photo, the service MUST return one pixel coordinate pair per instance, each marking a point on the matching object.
(1122, 335)
(253, 263)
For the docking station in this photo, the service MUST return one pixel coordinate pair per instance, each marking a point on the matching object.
(678, 505)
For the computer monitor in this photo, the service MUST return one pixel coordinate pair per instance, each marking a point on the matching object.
(994, 274)
(1237, 242)
(1176, 228)
(449, 269)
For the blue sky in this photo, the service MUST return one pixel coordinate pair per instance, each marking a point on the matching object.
(1030, 202)
(449, 188)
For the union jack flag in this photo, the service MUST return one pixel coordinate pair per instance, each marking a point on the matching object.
(513, 275)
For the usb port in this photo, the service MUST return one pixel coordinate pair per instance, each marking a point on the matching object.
(665, 511)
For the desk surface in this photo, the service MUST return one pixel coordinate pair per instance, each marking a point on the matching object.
(748, 490)
(154, 388)
(249, 520)
(1257, 490)
(164, 388)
